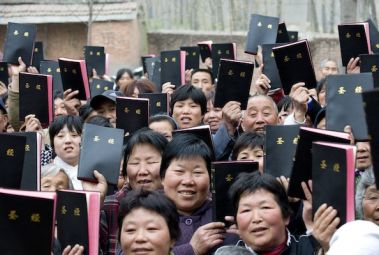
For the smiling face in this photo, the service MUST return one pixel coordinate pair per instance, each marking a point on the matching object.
(107, 109)
(370, 204)
(143, 167)
(67, 146)
(186, 182)
(363, 157)
(260, 111)
(260, 221)
(187, 113)
(144, 232)
(213, 116)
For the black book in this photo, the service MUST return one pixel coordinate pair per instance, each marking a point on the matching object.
(371, 108)
(374, 36)
(270, 69)
(233, 82)
(280, 147)
(36, 97)
(19, 42)
(282, 36)
(95, 59)
(132, 114)
(98, 86)
(370, 64)
(344, 102)
(107, 140)
(31, 170)
(224, 174)
(78, 216)
(222, 51)
(205, 48)
(262, 30)
(291, 58)
(143, 61)
(12, 151)
(334, 163)
(51, 67)
(38, 55)
(302, 166)
(4, 75)
(202, 132)
(156, 78)
(192, 56)
(173, 67)
(152, 73)
(158, 103)
(74, 76)
(26, 222)
(293, 35)
(354, 40)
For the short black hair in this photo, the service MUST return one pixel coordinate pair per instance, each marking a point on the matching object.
(320, 85)
(247, 183)
(202, 70)
(121, 72)
(99, 121)
(285, 103)
(73, 123)
(163, 117)
(144, 136)
(85, 111)
(184, 146)
(154, 201)
(247, 140)
(185, 92)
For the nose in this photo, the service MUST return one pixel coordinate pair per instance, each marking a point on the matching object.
(256, 216)
(140, 236)
(260, 119)
(186, 109)
(188, 180)
(143, 169)
(67, 138)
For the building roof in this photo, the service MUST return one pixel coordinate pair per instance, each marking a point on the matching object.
(66, 13)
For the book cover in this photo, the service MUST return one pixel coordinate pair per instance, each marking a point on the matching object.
(370, 64)
(233, 82)
(224, 174)
(293, 35)
(173, 67)
(292, 57)
(262, 30)
(374, 36)
(31, 170)
(107, 140)
(302, 165)
(222, 51)
(192, 56)
(19, 42)
(280, 147)
(51, 67)
(344, 102)
(38, 55)
(334, 162)
(12, 153)
(203, 132)
(354, 40)
(269, 68)
(36, 97)
(152, 73)
(282, 35)
(95, 59)
(98, 86)
(205, 48)
(4, 75)
(132, 114)
(143, 61)
(74, 76)
(27, 221)
(78, 219)
(371, 108)
(158, 103)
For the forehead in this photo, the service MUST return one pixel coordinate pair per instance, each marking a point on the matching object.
(186, 101)
(256, 196)
(330, 64)
(260, 102)
(201, 75)
(143, 149)
(372, 189)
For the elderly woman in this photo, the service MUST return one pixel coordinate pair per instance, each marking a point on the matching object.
(262, 212)
(54, 178)
(367, 198)
(185, 172)
(148, 224)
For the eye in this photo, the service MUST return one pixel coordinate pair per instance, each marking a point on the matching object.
(130, 230)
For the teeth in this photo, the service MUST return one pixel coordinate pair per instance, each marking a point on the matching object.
(187, 192)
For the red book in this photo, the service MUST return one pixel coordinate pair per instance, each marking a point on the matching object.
(36, 97)
(74, 76)
(333, 172)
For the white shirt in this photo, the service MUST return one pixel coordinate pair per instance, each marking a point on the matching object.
(71, 171)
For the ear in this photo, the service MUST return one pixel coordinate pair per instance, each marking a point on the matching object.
(287, 221)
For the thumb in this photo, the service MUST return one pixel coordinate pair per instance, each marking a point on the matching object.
(100, 178)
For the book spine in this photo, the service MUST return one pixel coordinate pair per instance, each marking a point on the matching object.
(350, 185)
(83, 68)
(93, 222)
(50, 97)
(182, 66)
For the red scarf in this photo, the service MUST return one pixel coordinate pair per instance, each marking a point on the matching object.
(278, 250)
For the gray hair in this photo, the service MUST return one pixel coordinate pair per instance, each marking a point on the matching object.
(232, 250)
(324, 61)
(52, 170)
(264, 96)
(367, 179)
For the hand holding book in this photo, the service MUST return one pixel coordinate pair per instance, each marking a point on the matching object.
(101, 186)
(71, 102)
(353, 66)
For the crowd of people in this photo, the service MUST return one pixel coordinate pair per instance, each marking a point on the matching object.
(162, 203)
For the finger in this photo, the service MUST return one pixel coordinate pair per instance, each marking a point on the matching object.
(213, 225)
(350, 63)
(71, 95)
(320, 210)
(100, 178)
(307, 193)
